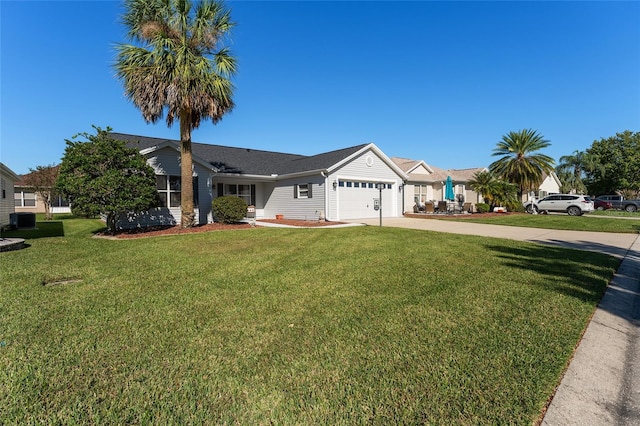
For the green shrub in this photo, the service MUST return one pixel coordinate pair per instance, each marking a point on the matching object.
(482, 207)
(515, 207)
(229, 209)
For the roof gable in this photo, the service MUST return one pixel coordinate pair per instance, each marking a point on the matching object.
(419, 171)
(412, 166)
(6, 171)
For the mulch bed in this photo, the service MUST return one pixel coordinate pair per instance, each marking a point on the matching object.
(156, 231)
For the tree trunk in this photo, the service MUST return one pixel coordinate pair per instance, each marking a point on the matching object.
(47, 207)
(111, 223)
(186, 171)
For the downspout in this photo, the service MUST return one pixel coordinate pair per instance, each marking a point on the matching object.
(326, 193)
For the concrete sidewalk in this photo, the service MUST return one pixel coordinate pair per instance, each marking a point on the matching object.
(602, 384)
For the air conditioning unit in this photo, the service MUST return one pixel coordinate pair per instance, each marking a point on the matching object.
(22, 220)
(13, 220)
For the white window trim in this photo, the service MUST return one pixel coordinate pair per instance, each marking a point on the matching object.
(302, 193)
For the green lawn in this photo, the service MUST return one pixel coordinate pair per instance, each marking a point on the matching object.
(615, 213)
(587, 222)
(361, 325)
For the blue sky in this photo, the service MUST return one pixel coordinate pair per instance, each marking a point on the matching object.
(437, 81)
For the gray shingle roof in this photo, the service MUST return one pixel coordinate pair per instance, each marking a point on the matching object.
(438, 175)
(246, 160)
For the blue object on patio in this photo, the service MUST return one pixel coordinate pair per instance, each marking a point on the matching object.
(448, 190)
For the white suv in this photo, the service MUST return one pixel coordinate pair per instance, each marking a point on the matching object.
(573, 204)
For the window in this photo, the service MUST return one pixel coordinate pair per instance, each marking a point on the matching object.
(58, 201)
(24, 199)
(302, 190)
(170, 190)
(246, 192)
(420, 193)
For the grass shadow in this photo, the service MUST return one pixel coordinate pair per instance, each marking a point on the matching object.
(42, 230)
(571, 272)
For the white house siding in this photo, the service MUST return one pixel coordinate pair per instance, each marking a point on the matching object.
(6, 195)
(166, 162)
(281, 200)
(358, 203)
(548, 186)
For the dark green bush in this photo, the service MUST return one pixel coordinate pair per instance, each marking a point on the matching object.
(229, 209)
(482, 207)
(515, 207)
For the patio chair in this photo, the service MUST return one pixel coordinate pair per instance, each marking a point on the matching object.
(428, 208)
(442, 206)
(467, 208)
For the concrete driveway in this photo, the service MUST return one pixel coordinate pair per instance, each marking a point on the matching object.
(613, 244)
(602, 383)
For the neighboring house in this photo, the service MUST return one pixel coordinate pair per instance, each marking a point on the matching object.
(426, 183)
(334, 185)
(550, 185)
(27, 200)
(7, 180)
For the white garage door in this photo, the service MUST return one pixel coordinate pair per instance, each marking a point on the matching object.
(356, 200)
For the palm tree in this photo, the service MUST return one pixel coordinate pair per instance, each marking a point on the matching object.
(572, 168)
(484, 183)
(520, 164)
(506, 195)
(178, 67)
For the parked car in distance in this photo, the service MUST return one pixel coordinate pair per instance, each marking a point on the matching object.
(572, 204)
(602, 204)
(619, 202)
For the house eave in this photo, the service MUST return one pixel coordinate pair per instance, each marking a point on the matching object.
(170, 144)
(8, 172)
(273, 177)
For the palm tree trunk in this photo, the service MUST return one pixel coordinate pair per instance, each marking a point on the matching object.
(186, 171)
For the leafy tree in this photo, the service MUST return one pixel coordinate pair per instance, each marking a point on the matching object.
(521, 164)
(572, 168)
(178, 67)
(619, 159)
(42, 180)
(103, 175)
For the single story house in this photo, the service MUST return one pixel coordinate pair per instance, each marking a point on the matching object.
(27, 200)
(7, 180)
(550, 185)
(350, 183)
(427, 183)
